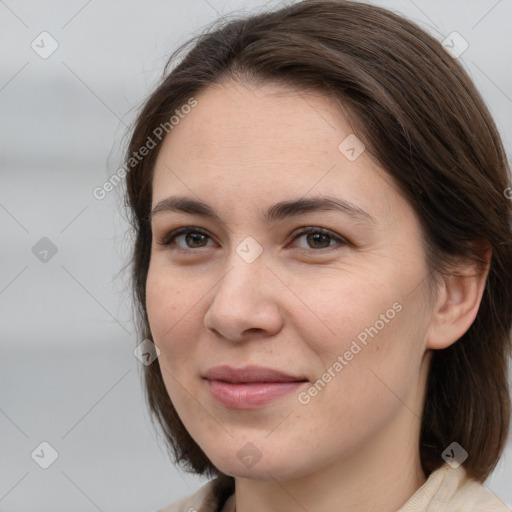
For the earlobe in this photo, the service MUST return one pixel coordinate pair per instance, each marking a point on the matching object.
(458, 300)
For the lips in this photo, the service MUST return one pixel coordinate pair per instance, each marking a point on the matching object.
(249, 387)
(249, 374)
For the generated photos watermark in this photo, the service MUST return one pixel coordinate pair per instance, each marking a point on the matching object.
(304, 397)
(158, 133)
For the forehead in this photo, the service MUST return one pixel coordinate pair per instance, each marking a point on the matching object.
(268, 119)
(263, 141)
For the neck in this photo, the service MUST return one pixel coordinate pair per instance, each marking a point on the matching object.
(373, 481)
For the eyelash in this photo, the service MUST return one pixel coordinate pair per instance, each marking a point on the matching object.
(168, 239)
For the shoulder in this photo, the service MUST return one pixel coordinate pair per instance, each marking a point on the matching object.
(449, 489)
(208, 498)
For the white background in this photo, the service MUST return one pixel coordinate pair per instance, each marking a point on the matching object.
(67, 372)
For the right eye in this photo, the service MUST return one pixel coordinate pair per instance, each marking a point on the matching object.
(193, 238)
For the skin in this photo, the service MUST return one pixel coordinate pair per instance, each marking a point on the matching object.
(298, 306)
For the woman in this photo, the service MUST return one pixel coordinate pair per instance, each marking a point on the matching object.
(323, 260)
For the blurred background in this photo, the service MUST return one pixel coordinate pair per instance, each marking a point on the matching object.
(72, 76)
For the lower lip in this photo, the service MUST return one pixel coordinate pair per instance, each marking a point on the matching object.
(249, 395)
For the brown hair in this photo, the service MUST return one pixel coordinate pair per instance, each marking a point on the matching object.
(422, 119)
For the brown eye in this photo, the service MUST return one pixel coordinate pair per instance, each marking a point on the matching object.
(194, 238)
(319, 238)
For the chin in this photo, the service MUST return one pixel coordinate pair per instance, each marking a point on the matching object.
(261, 469)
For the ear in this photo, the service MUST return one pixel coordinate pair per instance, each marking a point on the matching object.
(458, 298)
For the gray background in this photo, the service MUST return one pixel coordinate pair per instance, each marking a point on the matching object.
(68, 375)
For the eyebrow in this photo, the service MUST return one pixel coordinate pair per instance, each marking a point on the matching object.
(275, 213)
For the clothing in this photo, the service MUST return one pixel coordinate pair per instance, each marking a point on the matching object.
(446, 490)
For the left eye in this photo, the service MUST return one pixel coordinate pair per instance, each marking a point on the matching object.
(319, 237)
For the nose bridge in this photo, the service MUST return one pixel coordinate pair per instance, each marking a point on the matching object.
(243, 298)
(245, 276)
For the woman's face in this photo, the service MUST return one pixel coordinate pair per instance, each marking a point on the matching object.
(342, 310)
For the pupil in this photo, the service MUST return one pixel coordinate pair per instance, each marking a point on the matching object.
(194, 237)
(311, 236)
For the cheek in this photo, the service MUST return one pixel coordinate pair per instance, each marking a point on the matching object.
(368, 323)
(337, 311)
(173, 321)
(170, 309)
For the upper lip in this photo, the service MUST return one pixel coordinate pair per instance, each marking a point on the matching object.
(249, 374)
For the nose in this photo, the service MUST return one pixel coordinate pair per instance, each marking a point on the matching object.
(245, 301)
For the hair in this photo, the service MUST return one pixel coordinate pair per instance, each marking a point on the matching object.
(423, 120)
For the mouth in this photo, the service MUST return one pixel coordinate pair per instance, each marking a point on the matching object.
(249, 387)
(250, 374)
